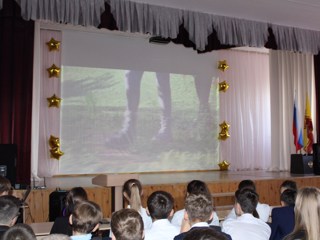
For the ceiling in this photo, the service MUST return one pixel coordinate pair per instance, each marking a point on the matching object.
(294, 13)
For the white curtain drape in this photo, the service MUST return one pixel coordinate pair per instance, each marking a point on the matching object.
(291, 76)
(46, 121)
(164, 21)
(246, 107)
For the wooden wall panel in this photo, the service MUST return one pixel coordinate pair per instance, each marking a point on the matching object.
(268, 190)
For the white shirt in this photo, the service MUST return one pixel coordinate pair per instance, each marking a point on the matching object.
(246, 227)
(264, 211)
(161, 230)
(147, 220)
(179, 215)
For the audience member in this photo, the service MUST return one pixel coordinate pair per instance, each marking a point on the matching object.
(61, 224)
(9, 212)
(132, 192)
(194, 187)
(262, 211)
(199, 210)
(283, 217)
(127, 224)
(85, 219)
(19, 231)
(288, 184)
(160, 208)
(307, 215)
(205, 234)
(56, 236)
(246, 226)
(5, 186)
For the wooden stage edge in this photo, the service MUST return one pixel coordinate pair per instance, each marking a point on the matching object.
(220, 183)
(69, 181)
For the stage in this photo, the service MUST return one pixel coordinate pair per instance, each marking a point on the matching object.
(221, 183)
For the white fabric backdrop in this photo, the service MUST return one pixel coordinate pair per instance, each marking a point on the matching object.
(291, 73)
(246, 107)
(46, 121)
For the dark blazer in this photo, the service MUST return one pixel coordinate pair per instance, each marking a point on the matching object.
(217, 228)
(282, 222)
(61, 225)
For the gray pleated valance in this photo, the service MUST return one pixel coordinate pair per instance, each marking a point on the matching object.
(162, 21)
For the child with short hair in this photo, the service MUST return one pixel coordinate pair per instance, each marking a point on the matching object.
(160, 208)
(127, 224)
(199, 210)
(85, 219)
(282, 218)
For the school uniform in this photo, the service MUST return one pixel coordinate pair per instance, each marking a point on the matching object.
(263, 210)
(161, 229)
(179, 215)
(246, 227)
(282, 222)
(82, 237)
(181, 236)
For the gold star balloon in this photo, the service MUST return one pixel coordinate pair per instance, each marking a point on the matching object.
(54, 142)
(56, 153)
(222, 65)
(224, 135)
(53, 45)
(224, 165)
(53, 71)
(54, 101)
(224, 126)
(223, 86)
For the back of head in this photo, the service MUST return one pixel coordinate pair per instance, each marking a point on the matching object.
(247, 184)
(288, 184)
(19, 232)
(197, 187)
(74, 196)
(288, 197)
(132, 190)
(9, 209)
(247, 199)
(307, 212)
(5, 186)
(127, 224)
(204, 234)
(160, 204)
(85, 217)
(199, 207)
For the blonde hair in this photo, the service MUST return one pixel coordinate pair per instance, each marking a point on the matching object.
(307, 213)
(133, 190)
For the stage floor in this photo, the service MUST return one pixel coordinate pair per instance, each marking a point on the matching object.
(176, 177)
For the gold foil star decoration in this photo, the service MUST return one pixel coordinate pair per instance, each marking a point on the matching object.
(53, 71)
(54, 101)
(224, 165)
(53, 45)
(54, 142)
(222, 65)
(224, 126)
(56, 153)
(223, 86)
(224, 134)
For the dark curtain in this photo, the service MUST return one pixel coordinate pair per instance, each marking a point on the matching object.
(317, 84)
(16, 69)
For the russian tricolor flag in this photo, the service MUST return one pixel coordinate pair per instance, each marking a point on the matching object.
(298, 140)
